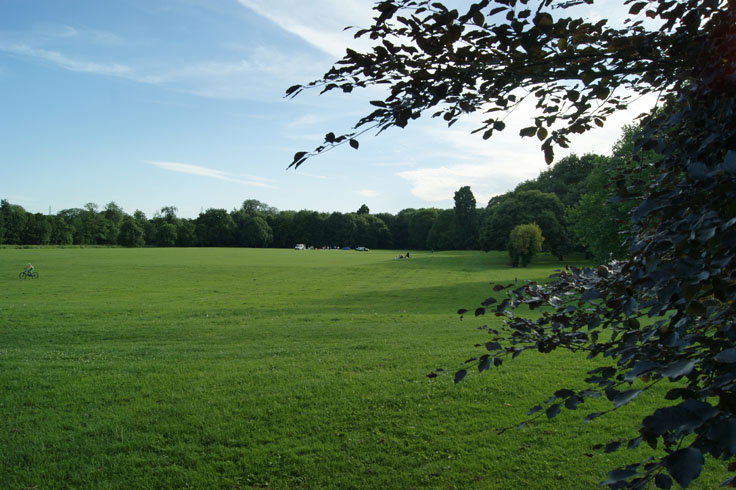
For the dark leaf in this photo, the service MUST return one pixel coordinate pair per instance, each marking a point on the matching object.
(528, 132)
(480, 311)
(641, 367)
(292, 89)
(460, 375)
(677, 369)
(663, 481)
(591, 416)
(727, 356)
(612, 446)
(549, 154)
(534, 410)
(637, 7)
(564, 393)
(354, 143)
(624, 397)
(590, 294)
(684, 465)
(685, 417)
(572, 403)
(553, 410)
(493, 346)
(618, 475)
(462, 311)
(484, 364)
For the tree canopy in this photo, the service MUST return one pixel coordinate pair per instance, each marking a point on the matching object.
(665, 313)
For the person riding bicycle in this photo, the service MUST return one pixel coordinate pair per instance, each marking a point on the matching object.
(29, 269)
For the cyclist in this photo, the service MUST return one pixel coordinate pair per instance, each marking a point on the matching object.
(29, 269)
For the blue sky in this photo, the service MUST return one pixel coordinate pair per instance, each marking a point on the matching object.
(180, 103)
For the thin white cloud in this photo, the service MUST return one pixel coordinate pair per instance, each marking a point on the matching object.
(309, 174)
(440, 184)
(497, 165)
(367, 193)
(188, 168)
(305, 120)
(114, 69)
(310, 21)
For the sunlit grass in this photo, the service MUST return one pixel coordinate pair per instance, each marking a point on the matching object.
(235, 368)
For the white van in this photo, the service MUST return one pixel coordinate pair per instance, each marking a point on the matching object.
(300, 246)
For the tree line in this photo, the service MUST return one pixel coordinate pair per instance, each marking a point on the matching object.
(570, 203)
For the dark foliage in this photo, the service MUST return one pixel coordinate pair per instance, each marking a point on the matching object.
(669, 304)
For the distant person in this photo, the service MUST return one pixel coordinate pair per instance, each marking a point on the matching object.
(407, 255)
(29, 269)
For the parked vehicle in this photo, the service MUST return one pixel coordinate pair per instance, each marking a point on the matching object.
(300, 246)
(362, 249)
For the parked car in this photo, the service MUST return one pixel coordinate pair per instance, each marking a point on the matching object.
(300, 246)
(362, 249)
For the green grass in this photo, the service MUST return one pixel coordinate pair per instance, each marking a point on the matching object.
(238, 368)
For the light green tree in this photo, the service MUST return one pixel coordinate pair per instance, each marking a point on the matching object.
(525, 241)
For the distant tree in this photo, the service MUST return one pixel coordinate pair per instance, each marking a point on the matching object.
(340, 229)
(186, 233)
(443, 234)
(282, 224)
(2, 223)
(309, 228)
(37, 230)
(61, 232)
(166, 234)
(364, 210)
(516, 208)
(371, 232)
(215, 228)
(525, 241)
(112, 217)
(91, 228)
(148, 226)
(400, 228)
(254, 207)
(600, 221)
(254, 232)
(566, 178)
(168, 213)
(14, 221)
(466, 217)
(390, 222)
(72, 218)
(131, 233)
(420, 222)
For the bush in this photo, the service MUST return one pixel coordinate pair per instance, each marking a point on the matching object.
(525, 241)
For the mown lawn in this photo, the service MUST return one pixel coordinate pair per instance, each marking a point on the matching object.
(239, 368)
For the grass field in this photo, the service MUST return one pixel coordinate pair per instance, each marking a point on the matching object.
(240, 368)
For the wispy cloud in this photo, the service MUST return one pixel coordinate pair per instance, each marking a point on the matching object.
(367, 193)
(114, 69)
(305, 120)
(440, 184)
(188, 168)
(311, 23)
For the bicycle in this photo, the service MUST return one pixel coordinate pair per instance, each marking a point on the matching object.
(30, 275)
